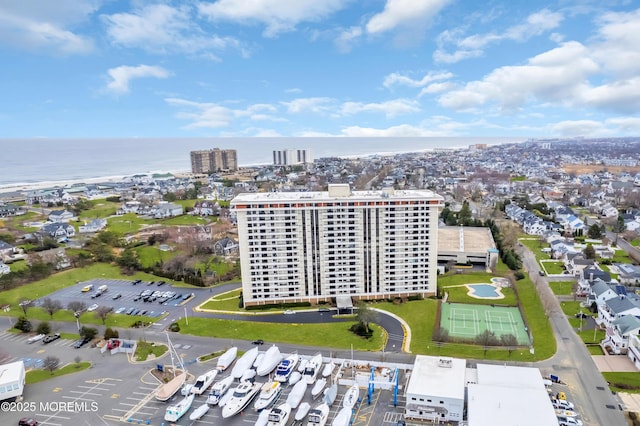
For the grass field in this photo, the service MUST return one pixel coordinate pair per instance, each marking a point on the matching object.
(145, 349)
(561, 287)
(554, 267)
(127, 223)
(225, 302)
(101, 209)
(623, 382)
(36, 376)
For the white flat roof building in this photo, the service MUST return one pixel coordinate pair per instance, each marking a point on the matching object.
(436, 389)
(312, 246)
(509, 395)
(462, 244)
(12, 376)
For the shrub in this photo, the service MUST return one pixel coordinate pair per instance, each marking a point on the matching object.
(361, 330)
(43, 328)
(23, 325)
(110, 333)
(174, 327)
(519, 275)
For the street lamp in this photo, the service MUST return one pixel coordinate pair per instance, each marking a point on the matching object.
(77, 315)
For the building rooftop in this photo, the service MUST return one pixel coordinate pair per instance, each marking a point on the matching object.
(464, 239)
(11, 372)
(441, 376)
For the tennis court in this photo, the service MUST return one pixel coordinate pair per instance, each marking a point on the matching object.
(467, 321)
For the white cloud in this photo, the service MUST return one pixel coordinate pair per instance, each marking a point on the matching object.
(400, 14)
(618, 43)
(121, 76)
(278, 15)
(402, 130)
(212, 115)
(473, 46)
(347, 38)
(628, 125)
(436, 88)
(621, 95)
(316, 105)
(161, 28)
(389, 108)
(397, 79)
(294, 90)
(578, 128)
(45, 26)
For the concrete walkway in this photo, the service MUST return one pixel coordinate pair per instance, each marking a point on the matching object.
(620, 363)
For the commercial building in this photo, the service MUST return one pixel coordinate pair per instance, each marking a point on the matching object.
(290, 157)
(435, 391)
(214, 160)
(467, 245)
(11, 380)
(313, 246)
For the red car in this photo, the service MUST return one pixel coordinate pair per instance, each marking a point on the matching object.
(113, 343)
(27, 421)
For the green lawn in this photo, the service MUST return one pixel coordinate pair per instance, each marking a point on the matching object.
(101, 209)
(570, 308)
(330, 335)
(608, 269)
(127, 223)
(144, 349)
(543, 340)
(621, 256)
(464, 278)
(554, 267)
(535, 245)
(35, 376)
(18, 265)
(225, 302)
(623, 382)
(459, 295)
(150, 255)
(186, 219)
(561, 287)
(587, 336)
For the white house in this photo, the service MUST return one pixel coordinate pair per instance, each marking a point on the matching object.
(164, 210)
(618, 334)
(63, 216)
(616, 308)
(4, 269)
(94, 226)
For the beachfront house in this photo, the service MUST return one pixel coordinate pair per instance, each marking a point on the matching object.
(57, 231)
(206, 208)
(164, 210)
(616, 308)
(7, 210)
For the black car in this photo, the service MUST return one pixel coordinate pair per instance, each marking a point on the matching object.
(151, 283)
(138, 297)
(582, 315)
(161, 283)
(28, 421)
(117, 296)
(50, 338)
(136, 282)
(258, 342)
(81, 342)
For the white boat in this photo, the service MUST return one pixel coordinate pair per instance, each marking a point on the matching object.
(169, 389)
(285, 368)
(313, 367)
(219, 389)
(227, 358)
(244, 363)
(258, 360)
(351, 397)
(241, 396)
(303, 364)
(199, 412)
(203, 382)
(223, 400)
(302, 411)
(263, 418)
(296, 394)
(174, 412)
(343, 418)
(186, 389)
(328, 369)
(295, 378)
(318, 387)
(330, 394)
(319, 415)
(271, 359)
(268, 393)
(279, 415)
(248, 375)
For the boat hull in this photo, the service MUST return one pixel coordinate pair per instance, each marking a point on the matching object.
(170, 388)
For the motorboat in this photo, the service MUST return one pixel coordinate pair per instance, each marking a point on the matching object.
(268, 393)
(203, 382)
(295, 378)
(303, 364)
(223, 400)
(270, 360)
(285, 368)
(328, 369)
(279, 415)
(311, 370)
(244, 363)
(318, 387)
(263, 418)
(240, 398)
(351, 397)
(167, 390)
(199, 412)
(248, 375)
(296, 394)
(330, 394)
(186, 389)
(227, 358)
(319, 415)
(302, 411)
(258, 360)
(219, 389)
(343, 418)
(175, 412)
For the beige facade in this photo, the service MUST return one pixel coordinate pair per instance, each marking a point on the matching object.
(313, 246)
(214, 160)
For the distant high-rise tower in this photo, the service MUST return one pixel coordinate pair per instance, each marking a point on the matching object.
(289, 157)
(214, 160)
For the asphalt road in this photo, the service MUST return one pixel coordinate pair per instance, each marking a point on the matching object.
(572, 362)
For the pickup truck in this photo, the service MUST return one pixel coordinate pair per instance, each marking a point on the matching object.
(35, 338)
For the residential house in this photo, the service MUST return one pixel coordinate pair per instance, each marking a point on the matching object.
(206, 208)
(609, 211)
(6, 250)
(56, 257)
(94, 225)
(58, 231)
(617, 307)
(4, 269)
(7, 210)
(58, 216)
(590, 275)
(628, 274)
(576, 263)
(601, 292)
(617, 337)
(164, 210)
(225, 247)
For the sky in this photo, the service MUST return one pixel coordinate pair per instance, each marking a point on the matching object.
(296, 68)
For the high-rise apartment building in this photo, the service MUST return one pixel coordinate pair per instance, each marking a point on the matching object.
(290, 157)
(312, 246)
(214, 160)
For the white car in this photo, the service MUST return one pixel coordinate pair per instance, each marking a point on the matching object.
(289, 312)
(562, 404)
(35, 338)
(92, 307)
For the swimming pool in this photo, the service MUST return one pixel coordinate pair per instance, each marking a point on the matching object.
(484, 291)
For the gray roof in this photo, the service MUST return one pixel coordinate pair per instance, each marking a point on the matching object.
(626, 324)
(599, 287)
(618, 305)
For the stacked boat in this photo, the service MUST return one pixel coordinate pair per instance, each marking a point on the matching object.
(296, 394)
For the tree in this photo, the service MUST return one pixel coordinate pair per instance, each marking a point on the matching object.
(25, 304)
(51, 364)
(464, 215)
(102, 313)
(110, 333)
(129, 260)
(76, 306)
(51, 306)
(485, 339)
(364, 315)
(619, 226)
(88, 332)
(24, 325)
(441, 335)
(589, 252)
(510, 341)
(595, 232)
(43, 328)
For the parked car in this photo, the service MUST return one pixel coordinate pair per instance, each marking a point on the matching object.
(541, 273)
(35, 338)
(117, 296)
(289, 312)
(81, 342)
(161, 283)
(92, 307)
(96, 294)
(113, 343)
(28, 421)
(136, 282)
(120, 310)
(562, 404)
(50, 338)
(258, 342)
(582, 315)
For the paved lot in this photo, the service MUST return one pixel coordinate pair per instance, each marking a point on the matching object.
(614, 363)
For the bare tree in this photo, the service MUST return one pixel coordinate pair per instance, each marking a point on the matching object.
(102, 313)
(51, 364)
(51, 306)
(441, 334)
(487, 338)
(510, 341)
(25, 304)
(76, 306)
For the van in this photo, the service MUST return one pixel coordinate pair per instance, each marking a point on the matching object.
(569, 421)
(103, 288)
(87, 288)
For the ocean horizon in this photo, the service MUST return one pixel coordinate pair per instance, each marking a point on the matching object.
(38, 160)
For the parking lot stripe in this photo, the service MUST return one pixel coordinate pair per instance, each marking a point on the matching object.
(77, 398)
(85, 393)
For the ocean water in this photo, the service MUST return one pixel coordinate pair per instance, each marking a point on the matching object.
(28, 161)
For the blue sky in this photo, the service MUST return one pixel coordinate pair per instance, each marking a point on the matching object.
(107, 68)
